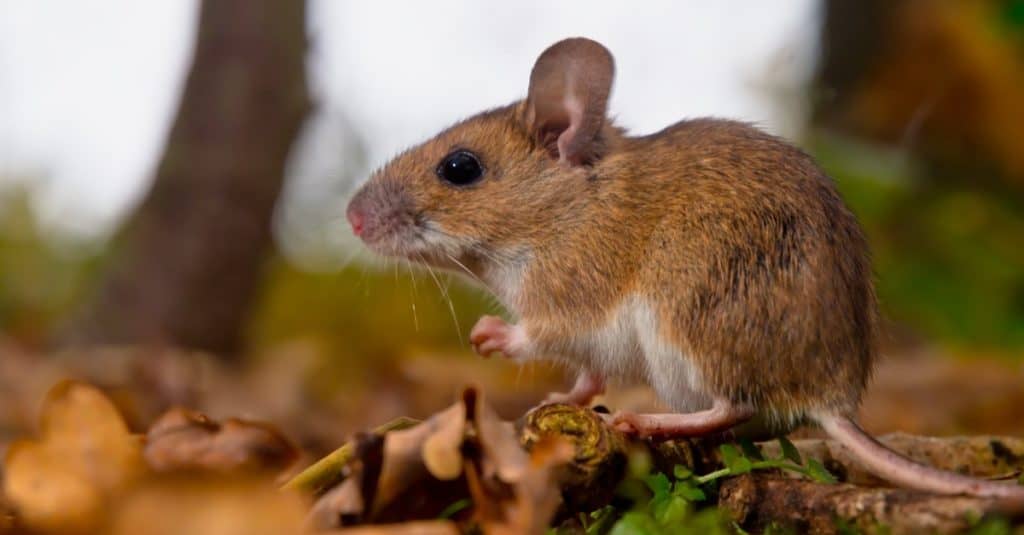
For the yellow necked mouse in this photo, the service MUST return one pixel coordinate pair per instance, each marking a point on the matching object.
(711, 260)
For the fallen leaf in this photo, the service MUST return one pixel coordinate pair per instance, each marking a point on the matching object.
(188, 440)
(503, 455)
(426, 527)
(441, 449)
(209, 506)
(538, 493)
(406, 460)
(535, 497)
(85, 455)
(332, 509)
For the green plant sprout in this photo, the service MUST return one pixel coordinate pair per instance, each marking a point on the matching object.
(672, 504)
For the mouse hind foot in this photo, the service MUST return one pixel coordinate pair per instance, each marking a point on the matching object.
(722, 416)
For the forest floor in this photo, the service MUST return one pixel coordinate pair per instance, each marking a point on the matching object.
(916, 390)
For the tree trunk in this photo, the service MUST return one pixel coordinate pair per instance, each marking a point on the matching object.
(852, 39)
(190, 258)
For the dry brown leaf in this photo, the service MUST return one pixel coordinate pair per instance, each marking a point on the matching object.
(85, 454)
(426, 527)
(405, 459)
(537, 494)
(204, 506)
(527, 506)
(503, 455)
(343, 501)
(185, 439)
(511, 489)
(442, 453)
(401, 465)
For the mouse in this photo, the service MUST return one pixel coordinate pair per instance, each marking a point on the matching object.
(712, 261)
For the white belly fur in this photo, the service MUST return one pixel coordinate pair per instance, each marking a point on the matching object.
(629, 347)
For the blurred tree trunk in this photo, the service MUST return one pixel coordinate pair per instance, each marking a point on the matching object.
(852, 39)
(189, 260)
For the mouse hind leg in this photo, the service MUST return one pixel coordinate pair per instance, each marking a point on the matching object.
(588, 385)
(722, 416)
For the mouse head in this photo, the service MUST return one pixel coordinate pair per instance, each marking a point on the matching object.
(498, 181)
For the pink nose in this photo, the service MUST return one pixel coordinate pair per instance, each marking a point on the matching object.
(356, 219)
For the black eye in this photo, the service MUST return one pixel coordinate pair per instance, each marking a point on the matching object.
(460, 168)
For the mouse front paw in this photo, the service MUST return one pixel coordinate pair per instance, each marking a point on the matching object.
(492, 334)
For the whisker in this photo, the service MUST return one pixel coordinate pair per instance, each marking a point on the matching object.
(412, 279)
(466, 269)
(451, 306)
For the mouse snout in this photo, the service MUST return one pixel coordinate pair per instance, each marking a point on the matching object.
(356, 218)
(379, 215)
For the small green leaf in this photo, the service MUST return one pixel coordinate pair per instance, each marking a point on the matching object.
(729, 454)
(659, 484)
(681, 472)
(672, 511)
(636, 523)
(818, 472)
(734, 460)
(751, 450)
(454, 508)
(689, 492)
(789, 451)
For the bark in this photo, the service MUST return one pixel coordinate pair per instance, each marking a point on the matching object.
(757, 501)
(190, 258)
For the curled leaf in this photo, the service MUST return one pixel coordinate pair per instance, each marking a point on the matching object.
(184, 439)
(84, 455)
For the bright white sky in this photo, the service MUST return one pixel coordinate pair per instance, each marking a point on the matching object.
(87, 87)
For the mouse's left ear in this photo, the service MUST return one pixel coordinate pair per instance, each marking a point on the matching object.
(568, 98)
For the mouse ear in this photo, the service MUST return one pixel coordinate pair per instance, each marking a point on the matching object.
(569, 88)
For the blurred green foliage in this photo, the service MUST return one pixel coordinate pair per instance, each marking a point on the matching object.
(42, 275)
(366, 317)
(949, 259)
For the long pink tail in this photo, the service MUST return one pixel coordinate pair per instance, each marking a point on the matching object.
(901, 471)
